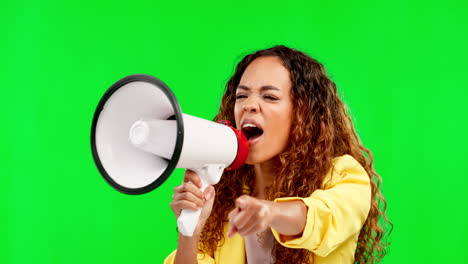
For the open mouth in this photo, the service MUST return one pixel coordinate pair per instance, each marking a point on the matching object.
(252, 132)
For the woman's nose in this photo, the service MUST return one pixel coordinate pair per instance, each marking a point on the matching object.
(251, 106)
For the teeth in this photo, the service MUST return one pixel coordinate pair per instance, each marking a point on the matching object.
(248, 125)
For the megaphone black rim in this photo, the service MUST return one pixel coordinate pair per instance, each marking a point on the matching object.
(179, 141)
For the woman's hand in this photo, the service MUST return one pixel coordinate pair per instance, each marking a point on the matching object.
(189, 196)
(253, 215)
(250, 216)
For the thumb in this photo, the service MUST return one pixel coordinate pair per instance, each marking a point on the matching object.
(241, 202)
(232, 230)
(209, 193)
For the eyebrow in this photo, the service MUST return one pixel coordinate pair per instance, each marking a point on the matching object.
(263, 88)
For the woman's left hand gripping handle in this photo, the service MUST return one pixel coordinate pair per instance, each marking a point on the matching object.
(189, 199)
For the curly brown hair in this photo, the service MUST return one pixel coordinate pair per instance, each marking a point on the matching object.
(322, 131)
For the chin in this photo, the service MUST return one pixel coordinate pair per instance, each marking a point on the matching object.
(253, 159)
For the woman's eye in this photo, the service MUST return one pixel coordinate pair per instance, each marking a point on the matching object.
(241, 96)
(270, 97)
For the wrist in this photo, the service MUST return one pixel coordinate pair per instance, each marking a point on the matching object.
(274, 213)
(187, 249)
(289, 218)
(189, 239)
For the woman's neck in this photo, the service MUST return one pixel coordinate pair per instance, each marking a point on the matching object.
(263, 179)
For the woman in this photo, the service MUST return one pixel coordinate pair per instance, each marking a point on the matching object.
(308, 193)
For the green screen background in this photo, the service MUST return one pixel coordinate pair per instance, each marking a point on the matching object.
(400, 66)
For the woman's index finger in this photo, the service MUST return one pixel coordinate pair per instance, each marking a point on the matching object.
(191, 176)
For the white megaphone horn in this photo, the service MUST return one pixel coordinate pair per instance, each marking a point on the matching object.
(139, 136)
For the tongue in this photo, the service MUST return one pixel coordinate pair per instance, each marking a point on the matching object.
(253, 137)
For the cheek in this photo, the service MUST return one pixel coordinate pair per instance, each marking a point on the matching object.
(283, 126)
(282, 129)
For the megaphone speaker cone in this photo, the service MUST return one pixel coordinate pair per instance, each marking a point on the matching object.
(136, 98)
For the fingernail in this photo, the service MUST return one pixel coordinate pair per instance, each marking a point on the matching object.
(207, 195)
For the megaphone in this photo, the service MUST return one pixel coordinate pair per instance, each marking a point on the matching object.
(139, 136)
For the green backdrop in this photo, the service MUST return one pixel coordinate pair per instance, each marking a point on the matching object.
(401, 67)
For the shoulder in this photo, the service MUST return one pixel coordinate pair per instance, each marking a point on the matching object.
(345, 169)
(347, 163)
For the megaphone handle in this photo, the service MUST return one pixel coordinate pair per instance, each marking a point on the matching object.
(188, 218)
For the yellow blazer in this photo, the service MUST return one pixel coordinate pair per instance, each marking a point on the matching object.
(335, 216)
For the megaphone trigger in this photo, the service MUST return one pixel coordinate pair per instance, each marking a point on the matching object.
(210, 173)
